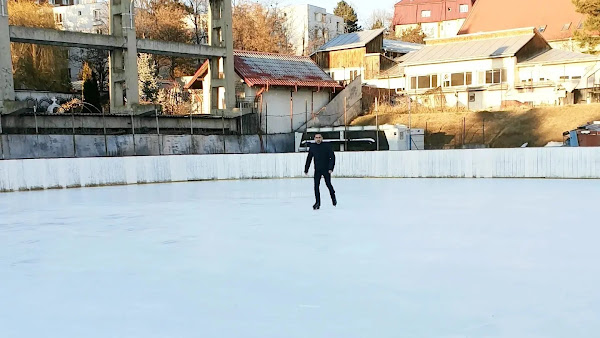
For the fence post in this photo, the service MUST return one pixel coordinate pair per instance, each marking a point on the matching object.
(104, 129)
(35, 118)
(192, 133)
(223, 123)
(377, 121)
(133, 134)
(345, 123)
(464, 130)
(483, 128)
(1, 141)
(158, 132)
(73, 127)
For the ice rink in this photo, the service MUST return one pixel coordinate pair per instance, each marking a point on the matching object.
(240, 259)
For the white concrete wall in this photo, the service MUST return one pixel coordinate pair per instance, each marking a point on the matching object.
(554, 72)
(391, 83)
(481, 163)
(342, 74)
(276, 107)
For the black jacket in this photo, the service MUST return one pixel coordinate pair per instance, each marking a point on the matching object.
(323, 155)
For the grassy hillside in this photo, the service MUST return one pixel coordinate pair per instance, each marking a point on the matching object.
(498, 129)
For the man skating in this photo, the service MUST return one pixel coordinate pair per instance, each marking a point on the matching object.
(324, 163)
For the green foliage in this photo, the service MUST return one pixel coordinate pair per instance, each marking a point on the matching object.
(345, 11)
(91, 93)
(148, 77)
(588, 36)
(414, 35)
(377, 24)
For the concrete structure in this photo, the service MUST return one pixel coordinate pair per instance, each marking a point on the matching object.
(579, 162)
(85, 146)
(123, 48)
(286, 91)
(490, 70)
(437, 18)
(310, 27)
(557, 22)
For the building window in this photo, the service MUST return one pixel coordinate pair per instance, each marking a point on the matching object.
(564, 78)
(424, 82)
(463, 8)
(97, 14)
(425, 14)
(566, 27)
(457, 79)
(575, 77)
(495, 76)
(79, 13)
(542, 28)
(471, 97)
(58, 18)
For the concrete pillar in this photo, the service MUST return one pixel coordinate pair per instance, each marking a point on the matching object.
(123, 73)
(221, 71)
(7, 89)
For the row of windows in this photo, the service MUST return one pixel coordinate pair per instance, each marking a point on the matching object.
(461, 9)
(494, 76)
(58, 17)
(565, 27)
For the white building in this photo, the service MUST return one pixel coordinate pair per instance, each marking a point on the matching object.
(285, 90)
(310, 27)
(496, 69)
(87, 16)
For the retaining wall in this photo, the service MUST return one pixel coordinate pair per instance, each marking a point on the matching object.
(54, 146)
(486, 163)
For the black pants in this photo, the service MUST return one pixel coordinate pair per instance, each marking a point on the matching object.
(327, 177)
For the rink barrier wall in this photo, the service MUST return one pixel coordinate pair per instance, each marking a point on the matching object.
(559, 163)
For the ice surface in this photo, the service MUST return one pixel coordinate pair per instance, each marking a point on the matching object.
(396, 258)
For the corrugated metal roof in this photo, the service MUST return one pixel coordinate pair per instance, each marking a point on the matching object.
(558, 55)
(468, 49)
(258, 68)
(351, 40)
(401, 46)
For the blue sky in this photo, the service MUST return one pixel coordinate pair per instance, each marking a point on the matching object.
(364, 8)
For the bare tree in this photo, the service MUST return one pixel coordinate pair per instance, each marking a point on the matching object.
(260, 28)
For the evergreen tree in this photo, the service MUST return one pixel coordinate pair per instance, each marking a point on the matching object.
(588, 36)
(90, 93)
(345, 11)
(148, 77)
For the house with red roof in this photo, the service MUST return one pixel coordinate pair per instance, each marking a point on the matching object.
(437, 18)
(556, 20)
(285, 91)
